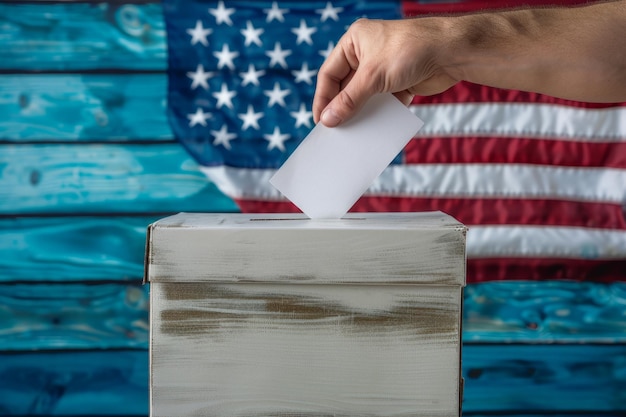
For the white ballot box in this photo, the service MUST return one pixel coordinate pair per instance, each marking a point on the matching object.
(280, 315)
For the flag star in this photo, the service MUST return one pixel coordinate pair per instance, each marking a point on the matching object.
(275, 13)
(250, 118)
(329, 12)
(199, 78)
(225, 97)
(222, 14)
(302, 116)
(276, 95)
(328, 50)
(252, 35)
(303, 32)
(276, 140)
(199, 34)
(304, 74)
(223, 137)
(199, 117)
(278, 55)
(225, 57)
(251, 76)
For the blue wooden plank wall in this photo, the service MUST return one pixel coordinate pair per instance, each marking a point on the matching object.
(87, 161)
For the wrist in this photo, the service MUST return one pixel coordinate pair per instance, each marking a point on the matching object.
(481, 44)
(434, 40)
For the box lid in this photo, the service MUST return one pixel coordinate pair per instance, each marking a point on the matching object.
(365, 248)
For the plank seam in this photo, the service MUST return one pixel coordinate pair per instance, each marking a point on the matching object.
(49, 141)
(86, 71)
(113, 2)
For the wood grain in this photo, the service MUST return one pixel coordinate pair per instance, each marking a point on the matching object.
(385, 248)
(72, 248)
(92, 178)
(74, 383)
(506, 372)
(78, 107)
(257, 315)
(304, 350)
(545, 378)
(73, 316)
(75, 36)
(96, 316)
(521, 380)
(544, 312)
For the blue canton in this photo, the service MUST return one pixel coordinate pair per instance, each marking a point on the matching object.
(242, 73)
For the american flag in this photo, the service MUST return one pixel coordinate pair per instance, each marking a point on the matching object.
(540, 181)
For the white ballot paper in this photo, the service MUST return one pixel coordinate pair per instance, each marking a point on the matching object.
(333, 167)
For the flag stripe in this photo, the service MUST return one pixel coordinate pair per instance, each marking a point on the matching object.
(461, 180)
(545, 242)
(536, 120)
(498, 150)
(412, 8)
(477, 211)
(502, 180)
(465, 92)
(492, 211)
(481, 270)
(244, 184)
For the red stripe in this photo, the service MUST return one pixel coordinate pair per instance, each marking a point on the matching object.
(477, 211)
(262, 206)
(465, 92)
(498, 150)
(481, 270)
(414, 8)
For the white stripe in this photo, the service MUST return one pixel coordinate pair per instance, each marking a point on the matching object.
(541, 121)
(454, 181)
(502, 181)
(545, 242)
(244, 183)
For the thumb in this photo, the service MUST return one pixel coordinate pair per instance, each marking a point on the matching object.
(347, 102)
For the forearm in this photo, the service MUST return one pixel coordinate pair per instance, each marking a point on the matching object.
(574, 53)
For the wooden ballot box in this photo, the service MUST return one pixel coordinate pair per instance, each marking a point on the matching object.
(280, 315)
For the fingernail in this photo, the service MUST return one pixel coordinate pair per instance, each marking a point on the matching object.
(330, 118)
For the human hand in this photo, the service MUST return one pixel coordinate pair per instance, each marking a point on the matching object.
(566, 52)
(379, 56)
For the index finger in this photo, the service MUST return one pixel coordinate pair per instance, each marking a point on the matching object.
(330, 78)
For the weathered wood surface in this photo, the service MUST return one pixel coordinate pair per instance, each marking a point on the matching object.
(74, 383)
(266, 349)
(519, 379)
(94, 316)
(78, 107)
(427, 248)
(96, 178)
(262, 315)
(561, 378)
(73, 316)
(72, 248)
(543, 312)
(502, 378)
(76, 36)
